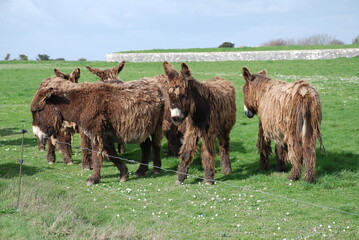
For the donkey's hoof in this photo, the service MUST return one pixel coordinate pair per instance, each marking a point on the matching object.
(209, 182)
(227, 171)
(124, 178)
(156, 171)
(51, 163)
(70, 163)
(90, 182)
(140, 174)
(179, 182)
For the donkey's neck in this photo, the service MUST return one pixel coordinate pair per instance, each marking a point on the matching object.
(201, 109)
(72, 105)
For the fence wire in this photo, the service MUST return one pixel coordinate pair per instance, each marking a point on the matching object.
(222, 182)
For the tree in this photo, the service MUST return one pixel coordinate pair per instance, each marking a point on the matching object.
(23, 57)
(7, 58)
(356, 40)
(43, 57)
(226, 45)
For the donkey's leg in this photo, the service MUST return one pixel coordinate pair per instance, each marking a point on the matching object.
(96, 164)
(121, 148)
(41, 146)
(309, 158)
(64, 145)
(112, 155)
(156, 145)
(264, 149)
(187, 152)
(174, 138)
(51, 156)
(208, 158)
(224, 153)
(86, 151)
(145, 157)
(281, 152)
(295, 156)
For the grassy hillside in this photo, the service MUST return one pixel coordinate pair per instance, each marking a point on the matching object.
(55, 202)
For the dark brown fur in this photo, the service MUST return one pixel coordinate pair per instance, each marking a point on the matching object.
(290, 114)
(107, 113)
(65, 136)
(110, 76)
(209, 111)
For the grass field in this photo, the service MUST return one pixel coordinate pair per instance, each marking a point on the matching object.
(55, 202)
(237, 49)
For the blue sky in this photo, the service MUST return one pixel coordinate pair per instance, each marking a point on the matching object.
(74, 29)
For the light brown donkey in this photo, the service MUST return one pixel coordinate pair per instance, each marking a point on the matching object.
(289, 114)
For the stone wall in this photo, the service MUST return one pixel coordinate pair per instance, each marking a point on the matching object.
(234, 56)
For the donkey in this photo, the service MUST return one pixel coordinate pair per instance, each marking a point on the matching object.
(65, 134)
(108, 75)
(289, 114)
(131, 115)
(209, 110)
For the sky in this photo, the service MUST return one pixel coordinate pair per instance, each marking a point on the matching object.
(74, 29)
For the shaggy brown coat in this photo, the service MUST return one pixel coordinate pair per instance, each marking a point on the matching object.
(107, 113)
(209, 109)
(65, 135)
(110, 76)
(289, 114)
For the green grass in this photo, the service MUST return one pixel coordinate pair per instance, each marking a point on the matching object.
(55, 202)
(239, 49)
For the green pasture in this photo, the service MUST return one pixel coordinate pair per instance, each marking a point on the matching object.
(55, 202)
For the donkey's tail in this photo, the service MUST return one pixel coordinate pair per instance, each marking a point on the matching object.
(315, 118)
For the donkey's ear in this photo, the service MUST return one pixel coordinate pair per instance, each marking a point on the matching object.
(168, 67)
(185, 70)
(75, 75)
(60, 74)
(119, 67)
(169, 70)
(92, 70)
(246, 74)
(263, 73)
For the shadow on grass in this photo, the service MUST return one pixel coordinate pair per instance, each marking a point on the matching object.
(9, 131)
(329, 163)
(10, 170)
(28, 142)
(332, 163)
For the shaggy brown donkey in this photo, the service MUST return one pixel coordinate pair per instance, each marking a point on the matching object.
(110, 76)
(290, 114)
(65, 135)
(210, 111)
(107, 113)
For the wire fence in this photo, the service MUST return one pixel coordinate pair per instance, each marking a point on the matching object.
(225, 183)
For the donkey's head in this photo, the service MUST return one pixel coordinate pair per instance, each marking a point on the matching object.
(46, 120)
(250, 92)
(108, 75)
(73, 77)
(178, 92)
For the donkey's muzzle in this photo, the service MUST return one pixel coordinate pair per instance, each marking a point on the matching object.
(249, 113)
(177, 120)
